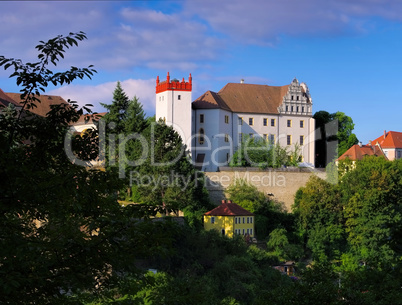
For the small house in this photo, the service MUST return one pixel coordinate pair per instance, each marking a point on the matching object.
(229, 218)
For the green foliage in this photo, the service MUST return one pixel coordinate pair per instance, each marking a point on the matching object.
(269, 214)
(166, 178)
(61, 228)
(356, 222)
(280, 246)
(326, 123)
(319, 214)
(260, 153)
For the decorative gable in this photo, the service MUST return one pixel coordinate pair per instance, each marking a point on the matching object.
(297, 100)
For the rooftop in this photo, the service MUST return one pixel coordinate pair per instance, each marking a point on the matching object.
(228, 208)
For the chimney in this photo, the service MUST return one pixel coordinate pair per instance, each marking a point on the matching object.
(360, 144)
(242, 81)
(385, 134)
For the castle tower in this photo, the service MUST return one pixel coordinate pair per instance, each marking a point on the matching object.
(173, 105)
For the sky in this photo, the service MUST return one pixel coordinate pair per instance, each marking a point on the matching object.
(348, 52)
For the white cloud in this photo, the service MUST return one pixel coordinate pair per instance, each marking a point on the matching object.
(144, 90)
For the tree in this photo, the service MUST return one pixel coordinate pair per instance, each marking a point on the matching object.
(346, 137)
(261, 153)
(269, 214)
(166, 178)
(331, 127)
(61, 228)
(373, 211)
(319, 215)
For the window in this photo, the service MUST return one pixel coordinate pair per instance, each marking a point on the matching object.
(272, 138)
(248, 219)
(227, 157)
(301, 140)
(240, 121)
(265, 136)
(201, 118)
(240, 137)
(297, 109)
(179, 97)
(251, 219)
(297, 98)
(273, 122)
(244, 220)
(251, 121)
(243, 231)
(292, 98)
(235, 220)
(287, 108)
(289, 123)
(212, 219)
(248, 231)
(302, 108)
(291, 109)
(288, 140)
(226, 138)
(226, 119)
(251, 231)
(201, 136)
(301, 124)
(265, 122)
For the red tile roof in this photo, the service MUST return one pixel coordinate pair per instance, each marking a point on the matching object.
(358, 153)
(45, 102)
(229, 209)
(5, 100)
(390, 139)
(244, 98)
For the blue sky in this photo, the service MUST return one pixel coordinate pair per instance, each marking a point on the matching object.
(347, 52)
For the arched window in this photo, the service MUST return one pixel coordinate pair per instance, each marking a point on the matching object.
(201, 136)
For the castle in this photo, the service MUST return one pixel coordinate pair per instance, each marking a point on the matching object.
(213, 126)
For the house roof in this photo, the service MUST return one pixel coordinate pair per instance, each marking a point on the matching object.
(357, 152)
(5, 100)
(81, 120)
(244, 98)
(390, 139)
(45, 102)
(229, 209)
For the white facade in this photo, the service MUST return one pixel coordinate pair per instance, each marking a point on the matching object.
(218, 121)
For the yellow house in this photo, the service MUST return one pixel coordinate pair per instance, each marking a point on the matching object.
(230, 218)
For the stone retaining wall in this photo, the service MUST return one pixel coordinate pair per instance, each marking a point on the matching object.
(281, 184)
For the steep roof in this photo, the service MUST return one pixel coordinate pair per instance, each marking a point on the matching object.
(358, 153)
(45, 102)
(5, 100)
(390, 139)
(244, 98)
(229, 209)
